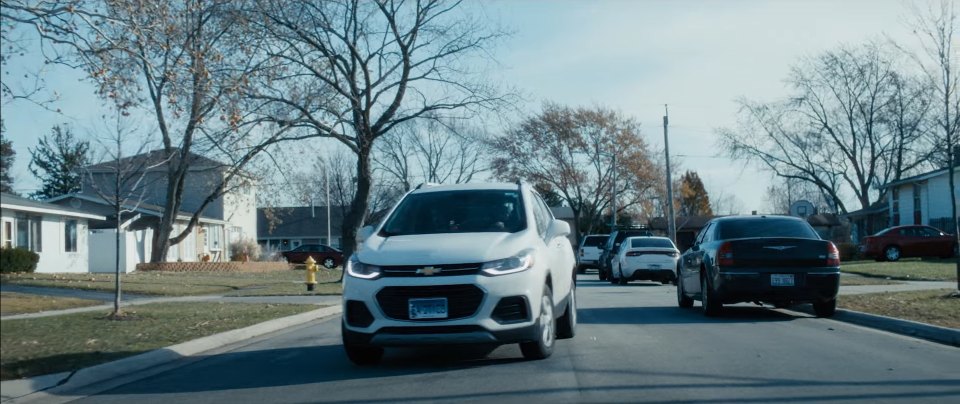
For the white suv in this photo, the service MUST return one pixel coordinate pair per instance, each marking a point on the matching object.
(460, 264)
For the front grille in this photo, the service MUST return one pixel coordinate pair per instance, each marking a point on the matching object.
(437, 270)
(511, 310)
(444, 329)
(462, 300)
(357, 314)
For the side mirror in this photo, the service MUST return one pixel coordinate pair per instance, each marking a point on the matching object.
(364, 234)
(558, 228)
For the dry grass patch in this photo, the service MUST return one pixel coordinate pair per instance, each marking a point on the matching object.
(939, 307)
(32, 347)
(21, 303)
(863, 280)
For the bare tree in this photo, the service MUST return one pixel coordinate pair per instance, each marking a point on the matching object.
(845, 127)
(188, 64)
(355, 70)
(569, 151)
(430, 151)
(937, 29)
(128, 188)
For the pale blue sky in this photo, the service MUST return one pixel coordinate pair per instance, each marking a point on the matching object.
(632, 56)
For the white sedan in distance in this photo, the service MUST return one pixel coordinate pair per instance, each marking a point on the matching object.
(646, 258)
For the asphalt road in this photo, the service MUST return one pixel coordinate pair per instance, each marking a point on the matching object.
(633, 345)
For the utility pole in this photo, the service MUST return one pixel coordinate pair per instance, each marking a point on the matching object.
(613, 220)
(326, 175)
(671, 220)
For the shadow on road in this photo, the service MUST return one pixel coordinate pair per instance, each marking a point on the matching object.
(676, 315)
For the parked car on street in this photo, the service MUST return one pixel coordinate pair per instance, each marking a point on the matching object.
(323, 254)
(646, 258)
(461, 264)
(897, 242)
(779, 260)
(590, 248)
(612, 246)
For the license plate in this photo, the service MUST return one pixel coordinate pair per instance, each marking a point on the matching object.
(428, 308)
(781, 279)
(654, 266)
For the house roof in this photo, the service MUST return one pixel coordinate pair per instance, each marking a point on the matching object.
(297, 222)
(156, 158)
(876, 207)
(15, 202)
(921, 177)
(143, 207)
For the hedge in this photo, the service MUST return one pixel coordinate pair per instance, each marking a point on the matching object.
(18, 260)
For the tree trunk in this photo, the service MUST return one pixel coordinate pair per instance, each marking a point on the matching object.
(116, 281)
(952, 158)
(358, 207)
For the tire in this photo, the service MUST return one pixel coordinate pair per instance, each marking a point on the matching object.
(567, 323)
(360, 355)
(613, 280)
(891, 253)
(684, 301)
(709, 303)
(825, 308)
(602, 274)
(330, 263)
(542, 348)
(621, 280)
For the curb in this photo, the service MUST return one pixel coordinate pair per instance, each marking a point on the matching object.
(933, 333)
(32, 389)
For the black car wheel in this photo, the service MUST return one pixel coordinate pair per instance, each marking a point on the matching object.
(891, 253)
(825, 308)
(543, 346)
(683, 300)
(330, 263)
(621, 280)
(709, 303)
(361, 355)
(567, 323)
(601, 274)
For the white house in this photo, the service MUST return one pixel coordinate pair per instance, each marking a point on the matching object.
(208, 237)
(58, 234)
(923, 199)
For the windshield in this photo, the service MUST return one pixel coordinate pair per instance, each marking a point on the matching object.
(470, 211)
(651, 242)
(765, 228)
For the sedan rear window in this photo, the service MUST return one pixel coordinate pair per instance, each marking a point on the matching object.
(732, 229)
(594, 241)
(651, 242)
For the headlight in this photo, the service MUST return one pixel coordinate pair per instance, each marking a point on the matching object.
(520, 262)
(360, 270)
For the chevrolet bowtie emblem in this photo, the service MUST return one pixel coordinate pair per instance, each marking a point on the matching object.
(781, 247)
(428, 271)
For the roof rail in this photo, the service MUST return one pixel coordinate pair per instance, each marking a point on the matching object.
(426, 185)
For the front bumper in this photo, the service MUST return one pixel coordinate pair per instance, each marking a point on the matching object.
(387, 326)
(735, 287)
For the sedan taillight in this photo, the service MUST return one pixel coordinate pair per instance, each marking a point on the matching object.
(633, 253)
(725, 254)
(833, 255)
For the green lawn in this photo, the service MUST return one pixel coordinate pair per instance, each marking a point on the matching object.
(907, 269)
(289, 282)
(20, 303)
(31, 347)
(938, 307)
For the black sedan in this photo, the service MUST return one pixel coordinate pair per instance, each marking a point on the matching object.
(776, 260)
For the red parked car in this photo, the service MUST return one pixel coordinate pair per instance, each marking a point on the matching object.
(908, 241)
(323, 254)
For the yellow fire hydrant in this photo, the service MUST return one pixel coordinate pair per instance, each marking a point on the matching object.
(311, 273)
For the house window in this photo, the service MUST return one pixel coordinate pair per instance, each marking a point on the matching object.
(29, 233)
(70, 235)
(8, 234)
(895, 205)
(917, 214)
